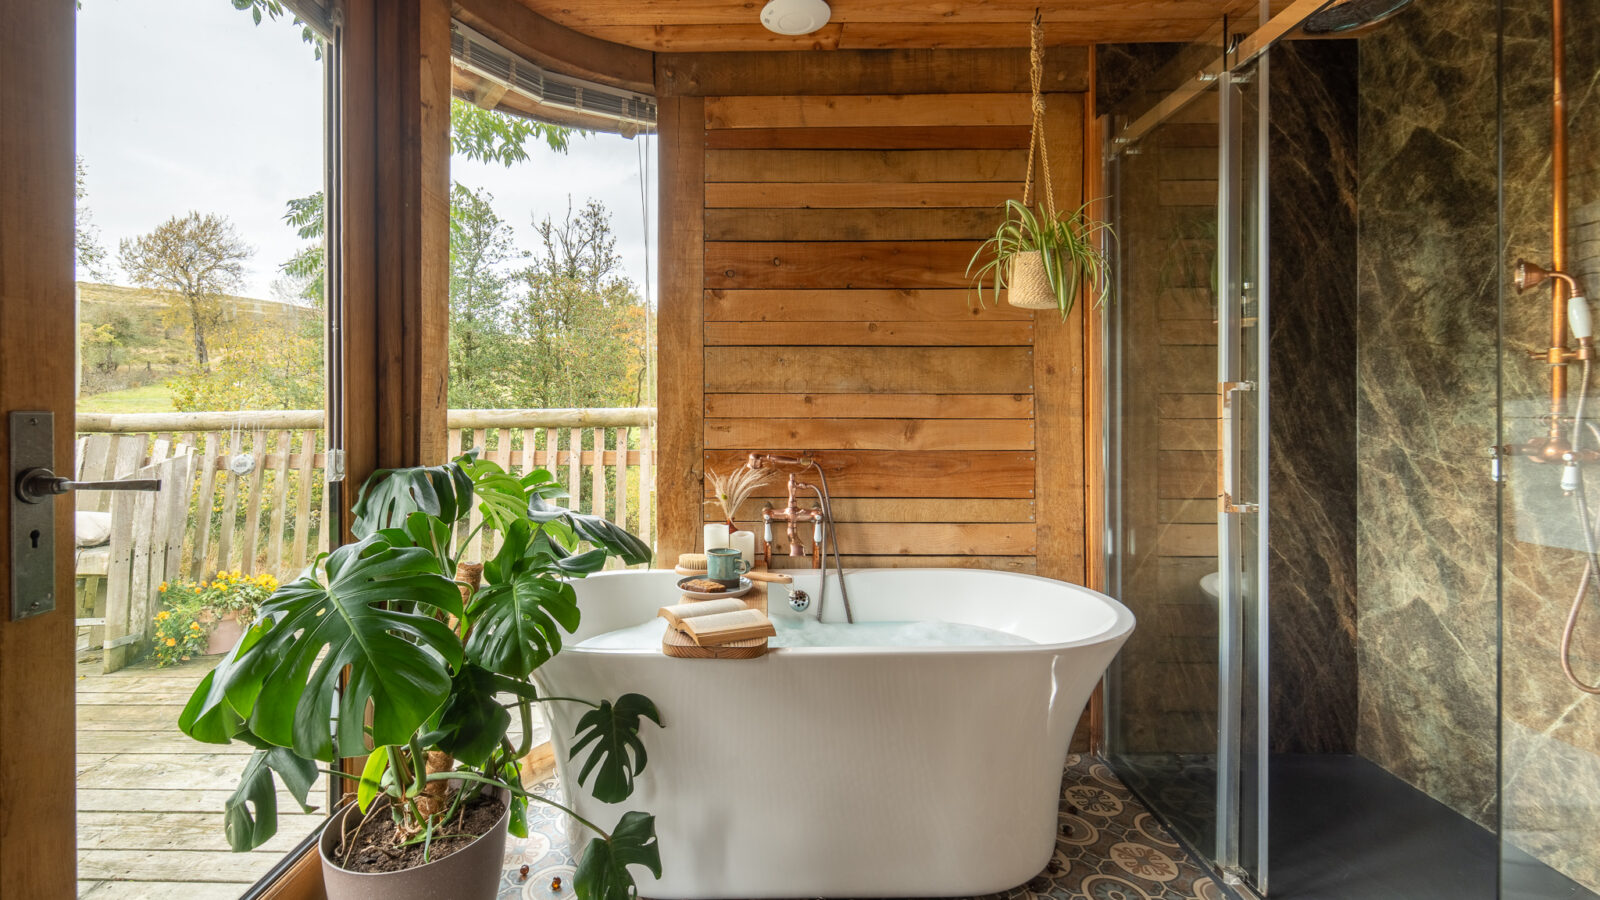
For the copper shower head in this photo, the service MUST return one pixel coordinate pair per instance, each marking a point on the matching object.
(1531, 275)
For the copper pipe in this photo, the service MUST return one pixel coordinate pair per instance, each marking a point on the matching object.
(1558, 222)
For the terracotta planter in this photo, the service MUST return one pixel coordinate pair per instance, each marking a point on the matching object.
(471, 873)
(225, 632)
(1028, 287)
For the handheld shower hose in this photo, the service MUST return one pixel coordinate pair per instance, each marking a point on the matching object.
(1578, 311)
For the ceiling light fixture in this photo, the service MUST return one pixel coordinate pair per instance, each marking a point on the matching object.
(795, 16)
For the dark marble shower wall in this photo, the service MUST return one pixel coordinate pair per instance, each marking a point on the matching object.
(1550, 753)
(1428, 288)
(1312, 525)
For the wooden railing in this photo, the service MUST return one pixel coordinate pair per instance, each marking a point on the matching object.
(257, 502)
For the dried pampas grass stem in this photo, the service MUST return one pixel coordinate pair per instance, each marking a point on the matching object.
(734, 488)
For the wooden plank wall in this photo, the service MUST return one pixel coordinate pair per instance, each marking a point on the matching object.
(816, 237)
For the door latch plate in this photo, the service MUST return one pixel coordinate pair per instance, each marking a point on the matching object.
(33, 541)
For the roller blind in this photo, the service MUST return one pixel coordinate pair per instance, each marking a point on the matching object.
(496, 78)
(319, 14)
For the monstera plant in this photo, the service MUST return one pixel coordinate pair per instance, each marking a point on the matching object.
(385, 650)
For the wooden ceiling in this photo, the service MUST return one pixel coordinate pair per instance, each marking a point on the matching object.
(732, 25)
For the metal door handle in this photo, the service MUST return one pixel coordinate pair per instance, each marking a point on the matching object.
(1226, 502)
(40, 484)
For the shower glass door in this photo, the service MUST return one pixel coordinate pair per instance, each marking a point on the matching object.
(1188, 451)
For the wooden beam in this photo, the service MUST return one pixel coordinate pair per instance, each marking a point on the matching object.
(1058, 378)
(557, 47)
(680, 379)
(845, 111)
(37, 333)
(783, 73)
(866, 137)
(396, 61)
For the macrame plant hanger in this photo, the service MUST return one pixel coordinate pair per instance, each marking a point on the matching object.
(1028, 286)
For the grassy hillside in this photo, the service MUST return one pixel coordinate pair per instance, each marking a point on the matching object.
(152, 345)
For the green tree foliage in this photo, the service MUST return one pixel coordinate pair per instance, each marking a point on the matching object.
(581, 324)
(488, 135)
(482, 346)
(91, 254)
(195, 261)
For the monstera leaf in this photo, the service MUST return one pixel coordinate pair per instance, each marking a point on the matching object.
(600, 532)
(603, 872)
(390, 496)
(517, 618)
(285, 681)
(617, 755)
(472, 722)
(504, 496)
(208, 716)
(250, 814)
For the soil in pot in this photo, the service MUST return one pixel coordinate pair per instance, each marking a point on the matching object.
(375, 849)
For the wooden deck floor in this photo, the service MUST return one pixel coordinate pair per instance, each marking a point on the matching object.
(150, 798)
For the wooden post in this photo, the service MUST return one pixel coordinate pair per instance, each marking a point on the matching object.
(680, 326)
(280, 498)
(620, 471)
(647, 486)
(230, 505)
(597, 475)
(202, 505)
(302, 518)
(574, 460)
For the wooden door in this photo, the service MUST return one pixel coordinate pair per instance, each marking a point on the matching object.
(37, 358)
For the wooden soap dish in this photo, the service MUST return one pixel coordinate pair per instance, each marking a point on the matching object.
(679, 645)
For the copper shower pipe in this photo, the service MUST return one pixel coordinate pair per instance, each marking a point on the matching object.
(1557, 355)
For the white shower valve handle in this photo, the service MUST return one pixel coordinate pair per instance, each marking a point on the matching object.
(1578, 317)
(1569, 473)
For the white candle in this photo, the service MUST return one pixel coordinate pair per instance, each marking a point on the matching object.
(716, 536)
(745, 543)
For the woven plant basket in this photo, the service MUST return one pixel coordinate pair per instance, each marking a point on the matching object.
(1028, 286)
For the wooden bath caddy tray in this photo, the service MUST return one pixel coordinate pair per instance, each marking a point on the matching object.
(676, 644)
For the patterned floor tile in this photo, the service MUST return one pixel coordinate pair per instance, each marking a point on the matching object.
(1109, 848)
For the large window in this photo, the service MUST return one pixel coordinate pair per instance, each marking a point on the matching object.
(201, 260)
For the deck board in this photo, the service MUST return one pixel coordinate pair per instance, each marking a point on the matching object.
(150, 798)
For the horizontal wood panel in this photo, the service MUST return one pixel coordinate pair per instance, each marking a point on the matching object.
(1024, 564)
(825, 195)
(871, 224)
(844, 111)
(863, 72)
(1187, 540)
(765, 265)
(899, 509)
(915, 473)
(974, 539)
(865, 166)
(846, 370)
(870, 434)
(1190, 512)
(1187, 406)
(872, 334)
(1186, 474)
(843, 305)
(920, 406)
(1186, 434)
(930, 137)
(750, 35)
(1016, 13)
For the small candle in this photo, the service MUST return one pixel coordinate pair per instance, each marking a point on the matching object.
(745, 543)
(716, 536)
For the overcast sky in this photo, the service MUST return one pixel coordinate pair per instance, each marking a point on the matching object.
(186, 105)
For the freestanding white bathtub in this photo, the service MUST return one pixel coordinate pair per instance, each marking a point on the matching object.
(849, 771)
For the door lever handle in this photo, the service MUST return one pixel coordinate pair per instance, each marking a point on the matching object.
(40, 484)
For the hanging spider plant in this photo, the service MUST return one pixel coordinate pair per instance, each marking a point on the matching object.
(1040, 260)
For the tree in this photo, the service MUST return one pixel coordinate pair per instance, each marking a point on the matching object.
(582, 325)
(481, 345)
(91, 254)
(195, 260)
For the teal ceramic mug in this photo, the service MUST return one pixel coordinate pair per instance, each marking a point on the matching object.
(724, 565)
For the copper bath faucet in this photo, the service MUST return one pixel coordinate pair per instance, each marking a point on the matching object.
(791, 514)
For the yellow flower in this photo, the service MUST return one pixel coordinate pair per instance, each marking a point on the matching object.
(222, 573)
(194, 626)
(163, 616)
(163, 588)
(172, 642)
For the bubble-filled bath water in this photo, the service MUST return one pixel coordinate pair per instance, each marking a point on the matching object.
(808, 632)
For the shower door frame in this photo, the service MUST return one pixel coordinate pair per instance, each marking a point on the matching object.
(1240, 854)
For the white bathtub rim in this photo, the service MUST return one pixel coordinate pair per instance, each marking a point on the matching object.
(1118, 631)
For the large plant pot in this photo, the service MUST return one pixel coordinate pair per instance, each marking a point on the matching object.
(1028, 286)
(225, 632)
(471, 873)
